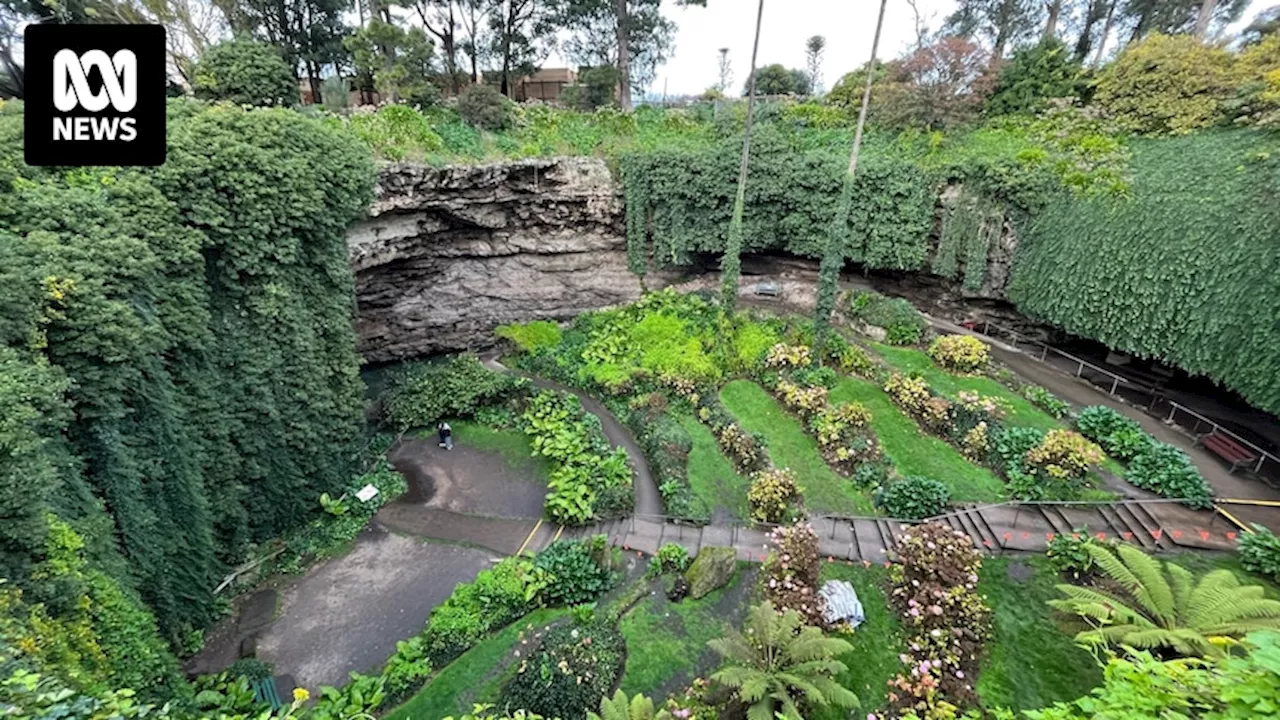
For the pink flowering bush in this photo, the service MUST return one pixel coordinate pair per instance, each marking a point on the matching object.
(946, 620)
(790, 573)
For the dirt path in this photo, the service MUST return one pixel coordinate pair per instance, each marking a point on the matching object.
(648, 500)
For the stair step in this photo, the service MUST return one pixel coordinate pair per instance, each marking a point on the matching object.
(1141, 528)
(1117, 525)
(970, 528)
(985, 527)
(1055, 519)
(1165, 541)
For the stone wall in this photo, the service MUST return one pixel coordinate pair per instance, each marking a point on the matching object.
(448, 254)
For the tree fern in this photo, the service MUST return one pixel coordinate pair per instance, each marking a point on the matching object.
(780, 664)
(1165, 607)
(619, 707)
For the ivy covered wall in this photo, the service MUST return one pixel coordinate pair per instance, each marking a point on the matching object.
(679, 200)
(178, 375)
(1187, 269)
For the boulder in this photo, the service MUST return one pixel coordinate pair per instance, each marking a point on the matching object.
(713, 568)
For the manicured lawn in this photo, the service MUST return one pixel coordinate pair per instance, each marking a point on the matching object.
(1023, 413)
(512, 445)
(1031, 660)
(463, 683)
(876, 643)
(791, 447)
(667, 642)
(711, 474)
(915, 452)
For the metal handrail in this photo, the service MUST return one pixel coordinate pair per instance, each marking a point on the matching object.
(1263, 455)
(1045, 348)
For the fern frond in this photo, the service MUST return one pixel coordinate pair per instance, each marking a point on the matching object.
(1152, 592)
(1183, 585)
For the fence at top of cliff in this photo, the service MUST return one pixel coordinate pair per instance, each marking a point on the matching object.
(1265, 463)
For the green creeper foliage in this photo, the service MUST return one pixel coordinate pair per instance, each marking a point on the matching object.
(1186, 270)
(1166, 85)
(915, 498)
(484, 108)
(687, 200)
(244, 72)
(197, 320)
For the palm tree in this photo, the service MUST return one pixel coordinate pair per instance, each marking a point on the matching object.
(780, 661)
(731, 263)
(1164, 607)
(833, 254)
(619, 707)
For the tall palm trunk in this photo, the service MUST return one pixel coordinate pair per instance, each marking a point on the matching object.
(833, 254)
(731, 263)
(1206, 15)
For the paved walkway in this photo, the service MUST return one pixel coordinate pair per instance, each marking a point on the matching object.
(648, 499)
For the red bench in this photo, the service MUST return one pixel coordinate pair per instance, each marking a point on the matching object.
(1228, 449)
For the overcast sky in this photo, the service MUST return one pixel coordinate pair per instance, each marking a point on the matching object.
(848, 26)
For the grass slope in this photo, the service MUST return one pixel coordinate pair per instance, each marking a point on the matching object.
(876, 643)
(1022, 414)
(512, 445)
(471, 678)
(1031, 660)
(915, 452)
(711, 475)
(667, 642)
(791, 447)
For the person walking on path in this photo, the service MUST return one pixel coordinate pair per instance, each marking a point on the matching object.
(446, 435)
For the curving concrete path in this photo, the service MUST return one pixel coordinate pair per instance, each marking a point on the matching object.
(648, 499)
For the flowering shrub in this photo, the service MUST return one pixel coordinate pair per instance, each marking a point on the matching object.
(745, 449)
(831, 424)
(915, 498)
(782, 356)
(1064, 455)
(771, 494)
(960, 353)
(790, 573)
(910, 393)
(936, 413)
(1046, 401)
(804, 400)
(976, 443)
(946, 620)
(850, 358)
(988, 405)
(574, 667)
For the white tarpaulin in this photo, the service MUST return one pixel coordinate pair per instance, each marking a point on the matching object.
(367, 493)
(842, 603)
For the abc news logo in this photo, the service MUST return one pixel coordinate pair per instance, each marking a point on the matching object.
(95, 95)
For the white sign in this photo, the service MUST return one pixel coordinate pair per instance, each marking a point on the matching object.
(367, 493)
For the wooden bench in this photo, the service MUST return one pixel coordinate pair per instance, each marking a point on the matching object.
(1227, 449)
(264, 691)
(770, 289)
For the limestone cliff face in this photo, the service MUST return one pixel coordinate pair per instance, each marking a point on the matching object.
(448, 254)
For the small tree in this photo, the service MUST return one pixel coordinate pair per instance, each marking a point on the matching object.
(1034, 75)
(813, 49)
(781, 664)
(777, 80)
(244, 72)
(1166, 85)
(485, 108)
(724, 71)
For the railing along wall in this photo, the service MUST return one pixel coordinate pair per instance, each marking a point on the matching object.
(1175, 409)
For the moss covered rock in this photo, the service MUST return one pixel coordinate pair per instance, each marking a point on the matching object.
(713, 568)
